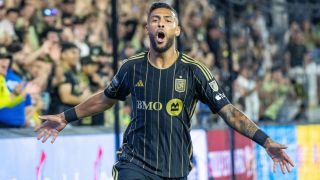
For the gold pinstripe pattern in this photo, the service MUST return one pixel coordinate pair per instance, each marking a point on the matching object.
(133, 58)
(182, 142)
(205, 93)
(139, 54)
(129, 59)
(115, 173)
(202, 67)
(158, 121)
(195, 61)
(193, 108)
(145, 116)
(190, 153)
(136, 113)
(174, 74)
(124, 76)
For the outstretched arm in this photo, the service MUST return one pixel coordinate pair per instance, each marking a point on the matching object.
(118, 89)
(238, 121)
(242, 124)
(53, 124)
(95, 104)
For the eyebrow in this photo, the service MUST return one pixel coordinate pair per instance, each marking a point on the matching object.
(158, 16)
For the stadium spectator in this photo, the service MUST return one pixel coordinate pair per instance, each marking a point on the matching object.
(273, 94)
(10, 99)
(70, 92)
(7, 33)
(90, 78)
(246, 93)
(14, 80)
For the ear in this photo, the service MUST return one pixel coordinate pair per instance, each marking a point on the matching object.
(178, 31)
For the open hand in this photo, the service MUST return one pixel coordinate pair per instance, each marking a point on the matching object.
(277, 154)
(51, 126)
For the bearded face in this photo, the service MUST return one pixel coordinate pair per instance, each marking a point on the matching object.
(162, 29)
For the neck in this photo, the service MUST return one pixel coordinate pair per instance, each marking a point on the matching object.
(163, 60)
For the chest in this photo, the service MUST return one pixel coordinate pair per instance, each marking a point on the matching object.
(161, 84)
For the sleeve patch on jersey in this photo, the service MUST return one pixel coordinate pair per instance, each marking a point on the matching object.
(214, 85)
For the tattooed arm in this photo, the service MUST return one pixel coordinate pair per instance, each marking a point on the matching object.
(241, 123)
(238, 121)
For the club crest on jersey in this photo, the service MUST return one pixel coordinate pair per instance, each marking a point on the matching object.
(214, 85)
(180, 85)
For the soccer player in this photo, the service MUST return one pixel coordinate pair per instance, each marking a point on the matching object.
(165, 86)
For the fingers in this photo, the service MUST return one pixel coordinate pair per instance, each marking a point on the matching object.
(281, 146)
(287, 166)
(36, 129)
(41, 134)
(47, 135)
(278, 146)
(288, 159)
(275, 163)
(54, 137)
(48, 117)
(284, 161)
(282, 167)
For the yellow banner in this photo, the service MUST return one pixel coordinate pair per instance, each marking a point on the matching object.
(308, 137)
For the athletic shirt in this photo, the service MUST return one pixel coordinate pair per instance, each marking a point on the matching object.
(57, 106)
(5, 98)
(163, 102)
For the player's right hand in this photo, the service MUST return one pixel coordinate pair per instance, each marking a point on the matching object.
(51, 126)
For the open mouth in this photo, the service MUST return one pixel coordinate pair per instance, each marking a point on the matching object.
(160, 36)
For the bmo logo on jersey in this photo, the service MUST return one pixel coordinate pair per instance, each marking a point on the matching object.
(174, 107)
(156, 106)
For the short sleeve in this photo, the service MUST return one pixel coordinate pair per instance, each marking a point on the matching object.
(119, 86)
(208, 90)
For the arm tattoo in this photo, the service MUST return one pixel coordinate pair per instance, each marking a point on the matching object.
(238, 121)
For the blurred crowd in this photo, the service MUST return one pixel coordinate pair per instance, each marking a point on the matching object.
(60, 52)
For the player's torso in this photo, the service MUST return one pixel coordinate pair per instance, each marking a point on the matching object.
(163, 102)
(164, 94)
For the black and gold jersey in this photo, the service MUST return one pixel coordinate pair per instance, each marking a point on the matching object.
(163, 102)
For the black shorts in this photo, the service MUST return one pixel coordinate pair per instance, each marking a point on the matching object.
(123, 170)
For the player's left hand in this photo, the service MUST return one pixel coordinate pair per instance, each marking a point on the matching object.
(51, 126)
(277, 154)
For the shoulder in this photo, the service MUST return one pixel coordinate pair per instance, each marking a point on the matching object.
(191, 61)
(135, 58)
(128, 64)
(196, 66)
